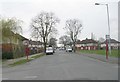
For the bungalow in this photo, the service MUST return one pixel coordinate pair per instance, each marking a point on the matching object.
(114, 44)
(87, 44)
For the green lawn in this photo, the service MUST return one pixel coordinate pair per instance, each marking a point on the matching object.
(114, 53)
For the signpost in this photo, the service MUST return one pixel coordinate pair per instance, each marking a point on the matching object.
(107, 38)
(27, 52)
(26, 48)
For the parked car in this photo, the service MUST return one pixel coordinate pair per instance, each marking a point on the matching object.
(61, 48)
(54, 50)
(49, 50)
(68, 49)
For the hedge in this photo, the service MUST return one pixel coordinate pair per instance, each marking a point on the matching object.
(7, 55)
(10, 51)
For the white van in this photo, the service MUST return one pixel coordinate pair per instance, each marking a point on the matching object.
(68, 49)
(49, 50)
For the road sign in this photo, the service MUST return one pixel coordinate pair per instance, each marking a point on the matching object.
(107, 37)
(25, 42)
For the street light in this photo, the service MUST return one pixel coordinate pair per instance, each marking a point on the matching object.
(108, 25)
(97, 4)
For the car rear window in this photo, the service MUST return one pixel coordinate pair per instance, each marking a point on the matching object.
(49, 48)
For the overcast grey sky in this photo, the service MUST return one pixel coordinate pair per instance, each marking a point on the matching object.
(93, 17)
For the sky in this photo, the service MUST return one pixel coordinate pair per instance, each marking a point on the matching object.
(93, 17)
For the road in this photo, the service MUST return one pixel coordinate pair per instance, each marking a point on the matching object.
(63, 66)
(0, 70)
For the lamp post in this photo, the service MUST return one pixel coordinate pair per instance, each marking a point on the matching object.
(108, 26)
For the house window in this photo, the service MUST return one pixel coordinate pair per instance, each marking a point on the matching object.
(89, 48)
(82, 48)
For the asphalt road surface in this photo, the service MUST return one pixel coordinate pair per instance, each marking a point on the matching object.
(62, 66)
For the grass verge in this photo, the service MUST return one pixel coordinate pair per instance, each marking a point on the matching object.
(114, 53)
(37, 56)
(3, 60)
(23, 61)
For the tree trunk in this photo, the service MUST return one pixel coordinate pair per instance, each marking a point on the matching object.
(74, 47)
(44, 47)
(44, 42)
(64, 47)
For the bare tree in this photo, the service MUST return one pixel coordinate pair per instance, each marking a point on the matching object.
(64, 40)
(44, 24)
(53, 42)
(73, 28)
(53, 34)
(101, 40)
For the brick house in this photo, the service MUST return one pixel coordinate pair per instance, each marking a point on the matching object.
(114, 44)
(12, 47)
(34, 46)
(87, 44)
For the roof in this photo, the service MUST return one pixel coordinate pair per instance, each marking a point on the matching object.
(112, 41)
(78, 42)
(19, 36)
(35, 42)
(22, 37)
(86, 41)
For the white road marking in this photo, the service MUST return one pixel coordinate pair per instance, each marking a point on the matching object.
(32, 77)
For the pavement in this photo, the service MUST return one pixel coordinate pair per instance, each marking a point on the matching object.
(62, 66)
(0, 70)
(102, 58)
(11, 61)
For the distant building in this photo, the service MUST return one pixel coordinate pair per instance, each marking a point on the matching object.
(114, 44)
(35, 46)
(87, 44)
